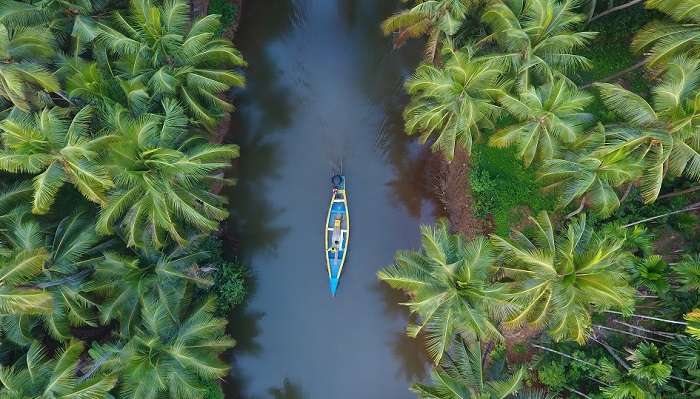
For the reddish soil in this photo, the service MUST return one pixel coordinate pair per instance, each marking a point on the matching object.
(518, 350)
(451, 181)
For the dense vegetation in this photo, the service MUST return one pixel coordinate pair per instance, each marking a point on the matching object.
(109, 259)
(585, 153)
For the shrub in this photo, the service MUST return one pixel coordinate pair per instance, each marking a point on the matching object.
(552, 375)
(230, 286)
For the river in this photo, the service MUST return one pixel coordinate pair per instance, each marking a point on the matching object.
(324, 89)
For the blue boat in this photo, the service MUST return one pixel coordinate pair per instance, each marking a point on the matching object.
(337, 232)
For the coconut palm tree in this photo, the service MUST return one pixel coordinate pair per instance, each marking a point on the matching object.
(54, 267)
(546, 117)
(454, 102)
(465, 374)
(58, 149)
(170, 353)
(123, 280)
(24, 53)
(162, 176)
(663, 134)
(539, 37)
(589, 175)
(665, 39)
(65, 18)
(437, 19)
(21, 262)
(36, 375)
(559, 280)
(450, 288)
(159, 48)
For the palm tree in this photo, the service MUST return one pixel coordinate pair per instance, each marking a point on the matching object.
(644, 378)
(539, 37)
(23, 74)
(21, 261)
(162, 176)
(54, 269)
(35, 375)
(589, 175)
(693, 320)
(558, 280)
(688, 272)
(438, 19)
(453, 102)
(59, 149)
(123, 280)
(65, 18)
(170, 352)
(546, 117)
(662, 134)
(449, 283)
(158, 47)
(665, 39)
(465, 374)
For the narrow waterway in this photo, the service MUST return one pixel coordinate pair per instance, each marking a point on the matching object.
(324, 89)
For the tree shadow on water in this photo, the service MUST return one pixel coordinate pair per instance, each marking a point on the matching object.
(288, 390)
(409, 352)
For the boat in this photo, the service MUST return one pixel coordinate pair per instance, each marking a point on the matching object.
(337, 232)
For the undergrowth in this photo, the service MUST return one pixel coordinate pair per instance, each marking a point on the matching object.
(502, 188)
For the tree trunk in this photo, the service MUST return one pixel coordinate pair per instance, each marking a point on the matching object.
(689, 208)
(618, 8)
(648, 317)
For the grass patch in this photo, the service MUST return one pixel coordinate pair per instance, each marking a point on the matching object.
(610, 53)
(502, 188)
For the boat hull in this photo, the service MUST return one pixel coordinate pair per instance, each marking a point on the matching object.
(337, 234)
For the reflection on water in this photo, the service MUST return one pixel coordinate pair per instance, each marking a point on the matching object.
(324, 90)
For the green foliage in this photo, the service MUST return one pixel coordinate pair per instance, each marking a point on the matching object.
(453, 104)
(501, 187)
(458, 299)
(228, 11)
(113, 103)
(552, 375)
(560, 278)
(230, 286)
(463, 375)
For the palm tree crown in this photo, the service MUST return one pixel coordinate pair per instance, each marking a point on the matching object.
(170, 353)
(23, 74)
(35, 375)
(546, 117)
(466, 375)
(558, 279)
(60, 149)
(450, 288)
(589, 173)
(162, 177)
(453, 102)
(664, 134)
(539, 37)
(158, 48)
(666, 39)
(439, 19)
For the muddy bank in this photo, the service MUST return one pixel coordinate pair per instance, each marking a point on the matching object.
(453, 194)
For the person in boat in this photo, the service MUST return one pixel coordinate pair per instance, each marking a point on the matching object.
(337, 236)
